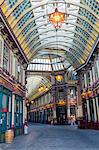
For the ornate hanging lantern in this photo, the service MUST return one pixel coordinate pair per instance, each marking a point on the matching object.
(58, 15)
(57, 18)
(27, 104)
(41, 88)
(61, 103)
(59, 78)
(32, 102)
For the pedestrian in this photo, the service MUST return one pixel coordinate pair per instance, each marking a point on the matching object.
(74, 119)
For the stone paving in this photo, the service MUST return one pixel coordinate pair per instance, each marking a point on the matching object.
(46, 137)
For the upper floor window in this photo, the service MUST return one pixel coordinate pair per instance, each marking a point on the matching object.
(19, 71)
(88, 79)
(71, 93)
(83, 82)
(6, 58)
(61, 94)
(96, 70)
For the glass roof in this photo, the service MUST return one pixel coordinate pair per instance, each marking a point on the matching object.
(76, 38)
(48, 64)
(45, 48)
(33, 83)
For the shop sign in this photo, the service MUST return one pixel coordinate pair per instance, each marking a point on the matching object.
(4, 110)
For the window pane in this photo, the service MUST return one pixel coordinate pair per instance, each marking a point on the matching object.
(4, 101)
(9, 104)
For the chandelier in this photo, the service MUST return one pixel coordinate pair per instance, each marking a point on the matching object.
(59, 78)
(57, 18)
(59, 15)
(43, 88)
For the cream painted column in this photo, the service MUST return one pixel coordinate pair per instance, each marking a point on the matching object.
(85, 79)
(79, 99)
(95, 117)
(97, 107)
(88, 110)
(1, 46)
(93, 71)
(91, 77)
(13, 67)
(93, 100)
(68, 107)
(54, 113)
(23, 83)
(24, 112)
(68, 114)
(16, 68)
(13, 101)
(97, 64)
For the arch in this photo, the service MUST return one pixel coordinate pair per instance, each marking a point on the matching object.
(40, 80)
(64, 48)
(47, 52)
(53, 30)
(64, 45)
(91, 35)
(45, 3)
(68, 43)
(60, 46)
(50, 36)
(72, 31)
(64, 56)
(39, 16)
(22, 39)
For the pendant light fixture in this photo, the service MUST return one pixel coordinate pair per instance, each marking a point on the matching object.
(59, 15)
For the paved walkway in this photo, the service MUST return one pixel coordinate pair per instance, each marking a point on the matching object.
(46, 137)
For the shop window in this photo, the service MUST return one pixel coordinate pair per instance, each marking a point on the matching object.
(84, 105)
(19, 73)
(4, 103)
(61, 94)
(83, 82)
(9, 112)
(88, 79)
(71, 93)
(6, 112)
(3, 118)
(72, 110)
(18, 109)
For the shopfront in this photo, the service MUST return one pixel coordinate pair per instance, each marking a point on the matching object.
(5, 111)
(18, 114)
(61, 114)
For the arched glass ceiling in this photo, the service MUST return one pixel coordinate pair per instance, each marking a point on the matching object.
(48, 63)
(77, 36)
(33, 83)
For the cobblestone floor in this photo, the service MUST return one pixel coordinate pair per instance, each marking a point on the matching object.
(46, 137)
